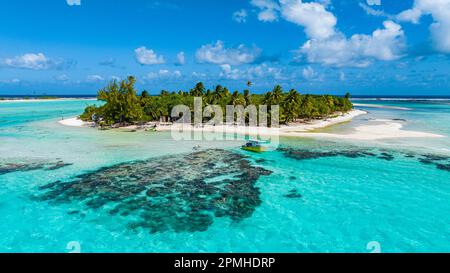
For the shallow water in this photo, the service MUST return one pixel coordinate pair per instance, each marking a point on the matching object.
(309, 195)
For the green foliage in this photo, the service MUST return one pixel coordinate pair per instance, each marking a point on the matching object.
(123, 106)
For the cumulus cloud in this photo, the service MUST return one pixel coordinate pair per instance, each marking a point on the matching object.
(326, 44)
(29, 61)
(440, 28)
(62, 78)
(229, 73)
(181, 59)
(384, 44)
(268, 10)
(146, 56)
(163, 74)
(95, 78)
(373, 2)
(317, 21)
(12, 81)
(240, 16)
(36, 61)
(218, 54)
(308, 73)
(198, 75)
(73, 2)
(250, 73)
(375, 12)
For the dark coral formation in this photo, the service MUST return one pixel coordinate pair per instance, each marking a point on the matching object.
(8, 167)
(305, 154)
(444, 167)
(181, 194)
(293, 194)
(441, 162)
(386, 156)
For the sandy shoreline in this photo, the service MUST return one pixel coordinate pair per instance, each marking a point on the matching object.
(387, 129)
(74, 122)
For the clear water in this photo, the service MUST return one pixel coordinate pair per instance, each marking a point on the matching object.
(345, 202)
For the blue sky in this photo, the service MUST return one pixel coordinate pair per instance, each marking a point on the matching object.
(366, 47)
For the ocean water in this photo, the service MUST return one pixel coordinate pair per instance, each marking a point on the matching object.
(117, 191)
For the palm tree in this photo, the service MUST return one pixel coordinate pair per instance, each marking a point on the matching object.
(123, 105)
(217, 95)
(277, 94)
(290, 105)
(268, 98)
(248, 99)
(198, 90)
(306, 107)
(237, 99)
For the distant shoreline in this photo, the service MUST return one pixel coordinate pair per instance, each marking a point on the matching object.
(354, 97)
(41, 100)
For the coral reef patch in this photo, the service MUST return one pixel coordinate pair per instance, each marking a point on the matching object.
(441, 162)
(180, 194)
(9, 167)
(293, 194)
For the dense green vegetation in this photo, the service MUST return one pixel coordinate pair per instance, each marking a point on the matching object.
(122, 104)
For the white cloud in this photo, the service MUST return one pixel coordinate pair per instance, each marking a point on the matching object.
(73, 2)
(12, 81)
(181, 59)
(384, 44)
(146, 56)
(163, 74)
(268, 10)
(326, 44)
(263, 70)
(240, 16)
(62, 78)
(218, 54)
(342, 76)
(198, 74)
(440, 28)
(374, 2)
(410, 15)
(229, 73)
(375, 12)
(30, 61)
(317, 21)
(95, 78)
(250, 73)
(268, 16)
(308, 73)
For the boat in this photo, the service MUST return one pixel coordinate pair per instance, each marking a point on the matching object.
(256, 146)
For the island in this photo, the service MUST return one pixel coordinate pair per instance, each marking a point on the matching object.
(123, 107)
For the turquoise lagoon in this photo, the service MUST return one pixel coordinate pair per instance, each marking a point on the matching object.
(310, 195)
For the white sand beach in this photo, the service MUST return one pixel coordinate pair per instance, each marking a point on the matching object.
(385, 129)
(74, 122)
(323, 123)
(374, 132)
